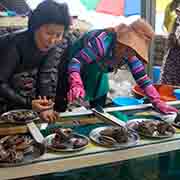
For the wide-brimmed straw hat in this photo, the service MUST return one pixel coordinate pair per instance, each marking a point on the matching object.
(138, 36)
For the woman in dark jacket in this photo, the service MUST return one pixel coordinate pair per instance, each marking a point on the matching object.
(29, 59)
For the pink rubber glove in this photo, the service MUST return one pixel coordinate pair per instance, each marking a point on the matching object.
(154, 97)
(76, 87)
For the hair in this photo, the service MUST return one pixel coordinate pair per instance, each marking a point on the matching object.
(49, 12)
(174, 4)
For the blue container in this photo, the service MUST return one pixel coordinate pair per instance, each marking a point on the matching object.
(132, 7)
(177, 93)
(156, 72)
(126, 101)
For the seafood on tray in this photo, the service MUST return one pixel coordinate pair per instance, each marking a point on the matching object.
(64, 139)
(152, 128)
(114, 136)
(14, 148)
(21, 115)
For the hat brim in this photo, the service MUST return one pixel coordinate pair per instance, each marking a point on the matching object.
(138, 44)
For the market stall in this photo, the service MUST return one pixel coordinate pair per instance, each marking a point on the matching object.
(94, 154)
(48, 160)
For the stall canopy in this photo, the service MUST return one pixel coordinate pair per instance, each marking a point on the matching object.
(90, 4)
(101, 13)
(114, 7)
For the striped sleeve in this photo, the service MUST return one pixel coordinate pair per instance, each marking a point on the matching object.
(94, 49)
(138, 71)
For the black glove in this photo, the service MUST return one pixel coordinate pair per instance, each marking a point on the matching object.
(12, 97)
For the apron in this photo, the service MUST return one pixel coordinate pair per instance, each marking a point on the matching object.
(95, 82)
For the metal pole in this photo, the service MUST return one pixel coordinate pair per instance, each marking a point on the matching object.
(148, 12)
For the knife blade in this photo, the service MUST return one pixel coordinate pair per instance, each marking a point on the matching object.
(35, 132)
(99, 112)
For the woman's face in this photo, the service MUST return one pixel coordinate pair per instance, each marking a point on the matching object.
(110, 64)
(120, 51)
(48, 36)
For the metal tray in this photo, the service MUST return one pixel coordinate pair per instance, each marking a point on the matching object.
(39, 150)
(95, 134)
(176, 121)
(4, 120)
(155, 135)
(177, 125)
(48, 143)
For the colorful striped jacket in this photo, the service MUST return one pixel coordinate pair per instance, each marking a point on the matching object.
(98, 47)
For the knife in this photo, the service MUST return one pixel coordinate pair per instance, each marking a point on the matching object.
(35, 132)
(79, 102)
(99, 112)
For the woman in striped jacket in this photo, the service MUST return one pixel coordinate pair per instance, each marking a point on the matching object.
(101, 51)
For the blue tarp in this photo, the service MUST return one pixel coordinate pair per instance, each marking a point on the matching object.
(132, 7)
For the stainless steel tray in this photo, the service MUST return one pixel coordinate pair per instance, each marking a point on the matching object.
(48, 143)
(155, 135)
(39, 150)
(95, 134)
(4, 117)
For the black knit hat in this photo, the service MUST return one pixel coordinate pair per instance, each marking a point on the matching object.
(49, 12)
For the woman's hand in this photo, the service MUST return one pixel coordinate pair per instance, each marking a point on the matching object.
(159, 105)
(75, 93)
(49, 116)
(42, 104)
(163, 107)
(76, 90)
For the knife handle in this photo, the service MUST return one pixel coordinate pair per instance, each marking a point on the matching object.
(35, 132)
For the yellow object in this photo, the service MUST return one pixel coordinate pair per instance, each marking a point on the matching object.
(161, 5)
(169, 18)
